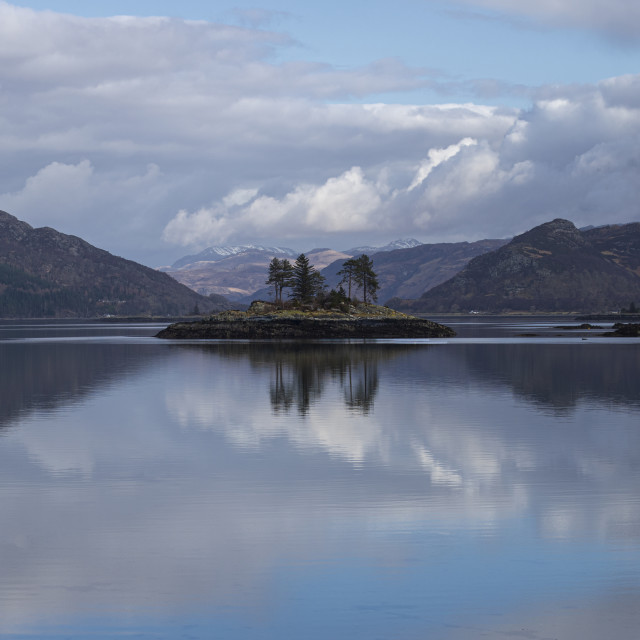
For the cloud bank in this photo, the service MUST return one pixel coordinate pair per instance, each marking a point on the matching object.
(575, 154)
(149, 135)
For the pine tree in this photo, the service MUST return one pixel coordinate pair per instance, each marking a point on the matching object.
(280, 276)
(307, 282)
(347, 272)
(366, 278)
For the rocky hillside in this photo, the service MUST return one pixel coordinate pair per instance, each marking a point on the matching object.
(45, 273)
(553, 267)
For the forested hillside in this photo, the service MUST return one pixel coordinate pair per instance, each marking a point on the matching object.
(44, 273)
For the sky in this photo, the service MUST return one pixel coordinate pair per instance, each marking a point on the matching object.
(156, 129)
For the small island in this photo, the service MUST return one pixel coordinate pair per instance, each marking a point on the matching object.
(624, 330)
(311, 312)
(264, 320)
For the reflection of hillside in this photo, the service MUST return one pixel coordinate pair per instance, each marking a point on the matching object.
(559, 376)
(45, 376)
(552, 376)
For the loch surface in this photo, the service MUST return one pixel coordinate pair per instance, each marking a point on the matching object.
(484, 486)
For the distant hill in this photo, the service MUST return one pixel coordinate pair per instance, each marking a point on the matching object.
(408, 273)
(553, 267)
(45, 273)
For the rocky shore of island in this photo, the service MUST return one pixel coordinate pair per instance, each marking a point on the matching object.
(625, 330)
(264, 321)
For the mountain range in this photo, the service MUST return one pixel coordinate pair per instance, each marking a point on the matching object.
(552, 267)
(238, 272)
(45, 273)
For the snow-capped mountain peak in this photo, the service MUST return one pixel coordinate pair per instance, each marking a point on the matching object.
(404, 243)
(215, 254)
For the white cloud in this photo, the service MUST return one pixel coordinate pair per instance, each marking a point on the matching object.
(43, 190)
(342, 203)
(574, 154)
(80, 199)
(239, 197)
(127, 130)
(437, 157)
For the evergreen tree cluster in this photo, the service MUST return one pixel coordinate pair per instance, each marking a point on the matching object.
(304, 280)
(307, 284)
(358, 273)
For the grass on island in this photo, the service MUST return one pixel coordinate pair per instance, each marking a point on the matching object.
(352, 311)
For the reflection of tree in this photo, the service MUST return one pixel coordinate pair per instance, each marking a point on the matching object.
(280, 392)
(361, 384)
(295, 387)
(300, 371)
(300, 375)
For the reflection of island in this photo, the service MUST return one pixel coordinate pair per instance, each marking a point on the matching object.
(301, 371)
(300, 374)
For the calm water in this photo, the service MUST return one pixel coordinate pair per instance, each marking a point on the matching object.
(486, 486)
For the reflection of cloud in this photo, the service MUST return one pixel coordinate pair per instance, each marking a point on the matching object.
(44, 446)
(136, 546)
(460, 426)
(352, 437)
(437, 473)
(179, 486)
